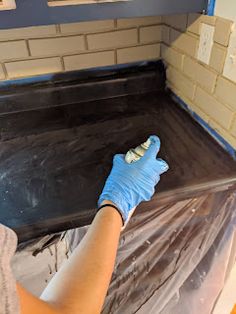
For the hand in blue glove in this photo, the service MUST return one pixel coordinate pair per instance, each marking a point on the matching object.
(130, 184)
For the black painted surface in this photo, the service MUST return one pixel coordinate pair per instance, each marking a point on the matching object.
(54, 161)
(77, 87)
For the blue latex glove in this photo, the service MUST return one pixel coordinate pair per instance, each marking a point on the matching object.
(130, 184)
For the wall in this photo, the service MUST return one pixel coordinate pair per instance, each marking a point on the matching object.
(226, 9)
(48, 49)
(202, 87)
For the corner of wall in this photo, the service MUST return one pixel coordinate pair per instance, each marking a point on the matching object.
(203, 87)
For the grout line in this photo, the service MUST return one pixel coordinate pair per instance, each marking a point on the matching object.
(62, 63)
(115, 30)
(214, 87)
(133, 45)
(85, 52)
(30, 37)
(232, 123)
(138, 30)
(137, 45)
(4, 41)
(116, 57)
(86, 42)
(194, 91)
(28, 47)
(183, 62)
(58, 29)
(122, 28)
(4, 70)
(29, 59)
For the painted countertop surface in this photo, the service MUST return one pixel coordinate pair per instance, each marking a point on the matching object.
(54, 160)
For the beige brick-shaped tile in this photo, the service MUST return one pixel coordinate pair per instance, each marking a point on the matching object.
(176, 91)
(189, 103)
(181, 82)
(223, 30)
(56, 46)
(217, 60)
(200, 74)
(199, 112)
(210, 20)
(196, 109)
(173, 89)
(184, 42)
(140, 53)
(226, 92)
(149, 20)
(150, 34)
(89, 60)
(213, 108)
(172, 56)
(165, 34)
(178, 21)
(13, 50)
(113, 39)
(27, 32)
(194, 23)
(33, 67)
(87, 27)
(224, 133)
(2, 75)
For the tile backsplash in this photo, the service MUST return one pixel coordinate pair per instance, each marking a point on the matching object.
(55, 48)
(203, 87)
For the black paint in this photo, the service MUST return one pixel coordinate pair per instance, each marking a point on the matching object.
(77, 87)
(54, 160)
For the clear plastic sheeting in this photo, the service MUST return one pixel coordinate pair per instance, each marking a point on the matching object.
(174, 258)
(199, 291)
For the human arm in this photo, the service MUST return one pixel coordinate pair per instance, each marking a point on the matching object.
(81, 284)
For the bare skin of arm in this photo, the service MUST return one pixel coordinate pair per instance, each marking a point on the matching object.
(81, 284)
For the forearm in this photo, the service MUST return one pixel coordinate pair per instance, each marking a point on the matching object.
(82, 283)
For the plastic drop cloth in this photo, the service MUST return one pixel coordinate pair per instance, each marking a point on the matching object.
(174, 258)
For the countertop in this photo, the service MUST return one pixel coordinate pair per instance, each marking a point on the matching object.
(54, 160)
